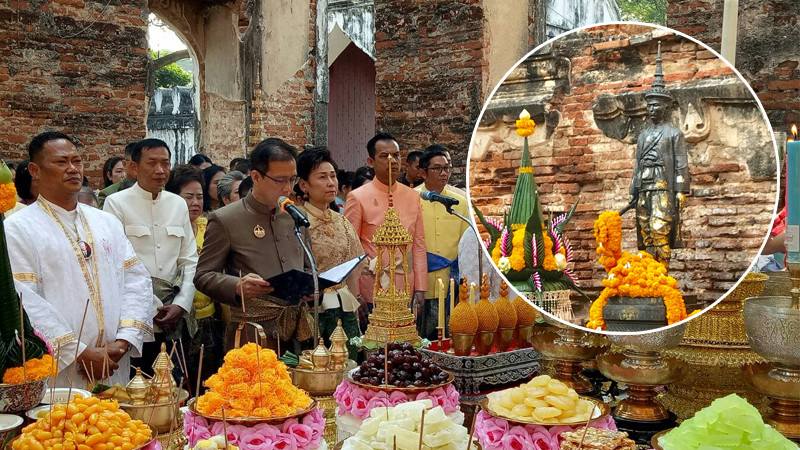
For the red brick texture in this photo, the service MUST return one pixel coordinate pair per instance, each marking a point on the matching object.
(74, 66)
(768, 51)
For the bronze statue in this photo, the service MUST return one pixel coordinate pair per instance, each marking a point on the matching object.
(660, 176)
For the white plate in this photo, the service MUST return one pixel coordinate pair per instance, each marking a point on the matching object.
(60, 395)
(9, 422)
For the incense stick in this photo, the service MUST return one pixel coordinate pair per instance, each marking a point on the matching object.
(586, 427)
(185, 367)
(386, 364)
(55, 371)
(74, 369)
(106, 365)
(394, 444)
(174, 418)
(225, 428)
(22, 338)
(260, 387)
(472, 428)
(199, 371)
(244, 312)
(421, 428)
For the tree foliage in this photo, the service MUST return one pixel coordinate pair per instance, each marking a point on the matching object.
(652, 11)
(170, 75)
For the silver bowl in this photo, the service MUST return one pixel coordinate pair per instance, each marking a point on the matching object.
(651, 342)
(773, 329)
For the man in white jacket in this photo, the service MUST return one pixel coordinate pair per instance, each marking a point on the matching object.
(157, 224)
(64, 254)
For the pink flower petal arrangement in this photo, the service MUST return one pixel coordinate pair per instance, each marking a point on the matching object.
(293, 434)
(498, 434)
(358, 401)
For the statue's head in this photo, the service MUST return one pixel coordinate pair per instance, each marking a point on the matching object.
(657, 108)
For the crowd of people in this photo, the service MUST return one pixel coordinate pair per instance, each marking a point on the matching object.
(183, 255)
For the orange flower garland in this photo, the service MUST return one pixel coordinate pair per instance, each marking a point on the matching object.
(549, 262)
(236, 386)
(517, 257)
(608, 234)
(8, 197)
(525, 125)
(35, 369)
(631, 275)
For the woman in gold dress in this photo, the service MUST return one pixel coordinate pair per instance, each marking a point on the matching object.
(333, 241)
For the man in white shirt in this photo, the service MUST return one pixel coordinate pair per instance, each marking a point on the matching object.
(63, 253)
(157, 224)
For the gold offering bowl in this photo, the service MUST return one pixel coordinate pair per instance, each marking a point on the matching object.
(643, 369)
(159, 416)
(569, 347)
(773, 331)
(318, 382)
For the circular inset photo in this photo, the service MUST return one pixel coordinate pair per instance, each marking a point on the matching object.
(624, 177)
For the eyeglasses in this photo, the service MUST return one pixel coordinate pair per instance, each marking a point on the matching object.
(439, 170)
(290, 181)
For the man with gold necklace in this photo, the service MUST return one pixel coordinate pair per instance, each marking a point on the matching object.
(63, 253)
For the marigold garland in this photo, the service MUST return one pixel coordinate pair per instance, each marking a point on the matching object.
(517, 257)
(236, 386)
(631, 275)
(525, 127)
(35, 369)
(8, 197)
(549, 262)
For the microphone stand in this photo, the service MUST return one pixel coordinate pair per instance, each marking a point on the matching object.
(314, 275)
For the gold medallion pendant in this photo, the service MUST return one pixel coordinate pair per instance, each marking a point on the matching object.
(259, 232)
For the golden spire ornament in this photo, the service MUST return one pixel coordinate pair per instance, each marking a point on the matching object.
(391, 319)
(163, 384)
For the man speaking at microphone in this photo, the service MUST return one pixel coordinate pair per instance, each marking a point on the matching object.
(254, 238)
(442, 233)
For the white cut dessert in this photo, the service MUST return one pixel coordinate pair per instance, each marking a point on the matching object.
(402, 423)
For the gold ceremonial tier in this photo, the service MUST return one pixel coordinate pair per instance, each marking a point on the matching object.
(715, 349)
(391, 319)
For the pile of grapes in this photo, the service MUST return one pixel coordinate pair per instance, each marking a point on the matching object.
(408, 367)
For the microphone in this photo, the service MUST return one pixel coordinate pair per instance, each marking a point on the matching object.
(431, 196)
(287, 206)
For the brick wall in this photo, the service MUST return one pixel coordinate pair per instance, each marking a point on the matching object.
(430, 73)
(733, 185)
(288, 113)
(77, 66)
(767, 48)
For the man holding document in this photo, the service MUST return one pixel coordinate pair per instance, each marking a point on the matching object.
(251, 241)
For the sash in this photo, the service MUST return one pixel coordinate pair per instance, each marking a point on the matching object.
(439, 262)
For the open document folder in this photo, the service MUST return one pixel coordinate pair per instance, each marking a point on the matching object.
(295, 284)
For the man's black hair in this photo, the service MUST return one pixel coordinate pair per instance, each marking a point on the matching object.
(245, 186)
(413, 156)
(378, 137)
(136, 152)
(129, 150)
(430, 153)
(268, 150)
(345, 178)
(39, 141)
(198, 159)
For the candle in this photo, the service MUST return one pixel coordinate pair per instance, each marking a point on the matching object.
(730, 23)
(441, 301)
(793, 201)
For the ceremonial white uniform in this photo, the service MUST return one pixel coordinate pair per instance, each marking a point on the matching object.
(55, 280)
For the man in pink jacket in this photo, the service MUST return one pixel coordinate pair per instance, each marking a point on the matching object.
(366, 208)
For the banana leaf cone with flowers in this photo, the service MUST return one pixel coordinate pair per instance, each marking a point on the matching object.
(38, 362)
(532, 252)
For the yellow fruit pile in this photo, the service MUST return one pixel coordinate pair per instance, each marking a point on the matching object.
(526, 314)
(505, 310)
(83, 424)
(463, 318)
(543, 400)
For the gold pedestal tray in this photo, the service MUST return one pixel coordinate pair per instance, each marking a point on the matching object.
(252, 421)
(569, 348)
(784, 395)
(318, 382)
(405, 390)
(159, 416)
(715, 349)
(329, 405)
(601, 411)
